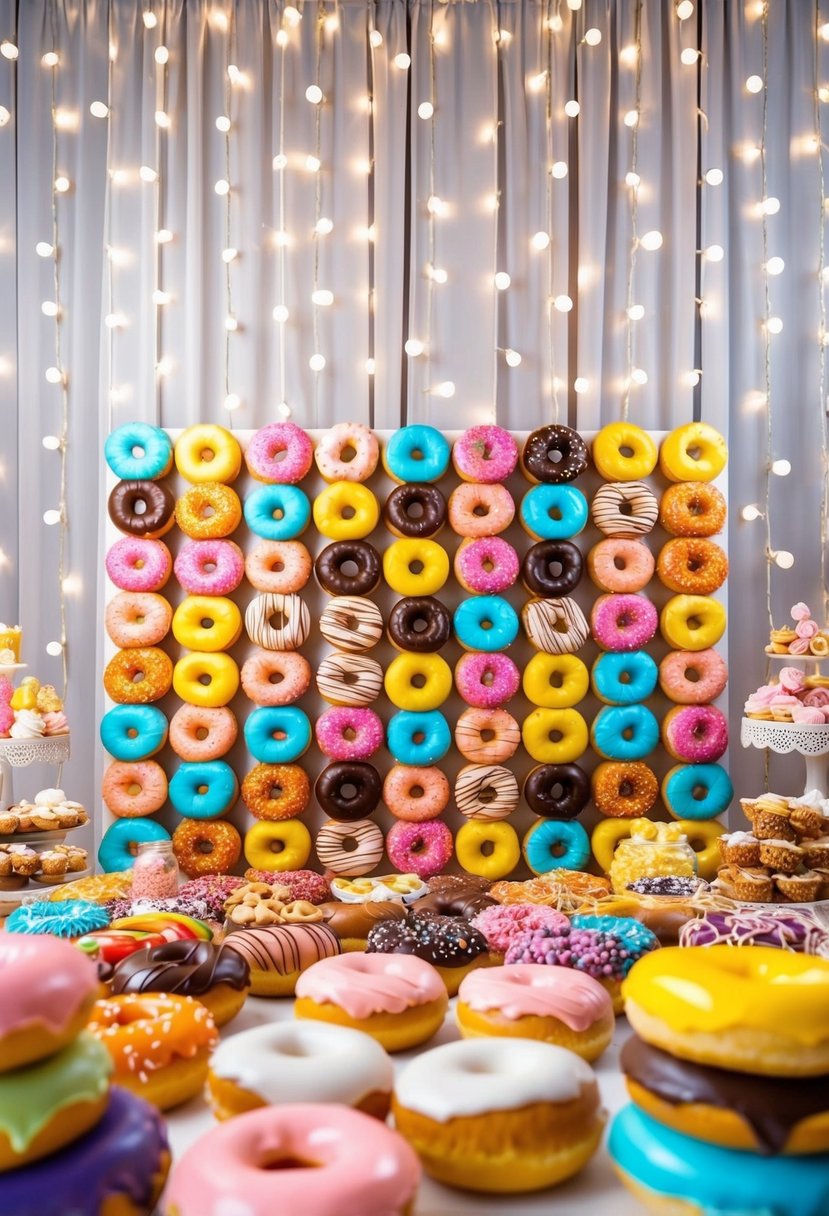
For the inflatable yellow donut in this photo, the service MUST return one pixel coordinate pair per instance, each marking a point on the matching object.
(207, 622)
(346, 511)
(415, 567)
(208, 453)
(206, 680)
(554, 736)
(692, 622)
(555, 681)
(473, 837)
(624, 452)
(696, 452)
(282, 845)
(418, 681)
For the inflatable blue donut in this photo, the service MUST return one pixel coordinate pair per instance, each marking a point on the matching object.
(697, 791)
(277, 512)
(553, 512)
(416, 453)
(153, 444)
(66, 918)
(556, 844)
(624, 679)
(133, 732)
(203, 790)
(418, 739)
(624, 732)
(485, 622)
(277, 734)
(115, 851)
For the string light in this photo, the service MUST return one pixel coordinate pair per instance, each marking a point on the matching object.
(314, 94)
(821, 95)
(633, 173)
(714, 177)
(752, 512)
(540, 240)
(414, 348)
(232, 76)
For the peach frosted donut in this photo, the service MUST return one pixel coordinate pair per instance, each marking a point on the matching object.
(209, 680)
(693, 677)
(485, 454)
(137, 619)
(276, 791)
(480, 510)
(134, 788)
(620, 564)
(198, 733)
(486, 736)
(271, 677)
(206, 847)
(279, 453)
(695, 734)
(138, 676)
(209, 567)
(352, 849)
(207, 623)
(694, 452)
(277, 846)
(136, 564)
(424, 849)
(281, 567)
(693, 565)
(207, 452)
(208, 511)
(692, 622)
(415, 794)
(347, 451)
(692, 508)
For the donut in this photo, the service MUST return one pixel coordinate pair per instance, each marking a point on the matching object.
(352, 849)
(500, 923)
(119, 845)
(554, 454)
(485, 454)
(271, 846)
(624, 508)
(203, 790)
(556, 626)
(486, 566)
(419, 848)
(624, 452)
(415, 567)
(620, 564)
(552, 568)
(346, 733)
(695, 734)
(624, 677)
(417, 682)
(348, 567)
(692, 508)
(207, 680)
(476, 510)
(624, 732)
(555, 681)
(270, 677)
(351, 623)
(348, 790)
(205, 848)
(697, 791)
(137, 619)
(416, 453)
(281, 567)
(134, 564)
(551, 844)
(212, 975)
(415, 794)
(209, 567)
(280, 452)
(138, 676)
(489, 850)
(132, 788)
(693, 677)
(485, 622)
(145, 509)
(418, 739)
(206, 452)
(553, 512)
(694, 452)
(137, 451)
(208, 511)
(692, 565)
(455, 895)
(351, 679)
(207, 623)
(347, 452)
(554, 736)
(623, 622)
(419, 623)
(417, 511)
(624, 790)
(345, 510)
(486, 680)
(449, 943)
(133, 732)
(277, 512)
(692, 622)
(278, 954)
(487, 735)
(276, 791)
(197, 733)
(277, 622)
(556, 791)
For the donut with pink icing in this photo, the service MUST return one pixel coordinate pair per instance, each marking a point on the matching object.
(282, 567)
(209, 567)
(136, 564)
(693, 677)
(137, 618)
(134, 788)
(486, 681)
(345, 732)
(695, 734)
(280, 453)
(415, 795)
(500, 923)
(623, 622)
(486, 454)
(486, 565)
(198, 733)
(423, 849)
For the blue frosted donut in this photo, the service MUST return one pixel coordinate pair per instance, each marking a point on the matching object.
(553, 512)
(277, 512)
(277, 734)
(556, 844)
(418, 738)
(203, 790)
(635, 937)
(624, 678)
(137, 450)
(416, 453)
(485, 622)
(121, 839)
(66, 918)
(133, 732)
(624, 732)
(697, 791)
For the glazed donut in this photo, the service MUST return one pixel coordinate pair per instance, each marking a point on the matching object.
(624, 732)
(119, 846)
(348, 567)
(270, 677)
(133, 732)
(489, 850)
(692, 508)
(138, 451)
(624, 677)
(132, 788)
(145, 509)
(415, 567)
(486, 736)
(554, 454)
(623, 622)
(697, 791)
(277, 512)
(348, 790)
(694, 452)
(417, 511)
(353, 848)
(207, 452)
(273, 846)
(553, 512)
(418, 739)
(417, 681)
(624, 790)
(693, 677)
(351, 679)
(420, 624)
(556, 626)
(555, 681)
(423, 849)
(480, 510)
(198, 733)
(352, 623)
(206, 847)
(136, 618)
(553, 844)
(620, 564)
(207, 623)
(486, 566)
(281, 567)
(133, 564)
(486, 680)
(692, 622)
(277, 734)
(557, 791)
(348, 451)
(345, 510)
(695, 734)
(624, 452)
(554, 736)
(624, 508)
(276, 791)
(280, 452)
(552, 568)
(485, 454)
(277, 622)
(208, 680)
(138, 676)
(485, 622)
(346, 733)
(415, 794)
(209, 511)
(416, 453)
(486, 792)
(692, 565)
(203, 790)
(209, 567)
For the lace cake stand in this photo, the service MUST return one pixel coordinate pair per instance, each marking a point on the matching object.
(18, 753)
(809, 741)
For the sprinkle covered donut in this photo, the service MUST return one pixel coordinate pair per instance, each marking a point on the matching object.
(276, 791)
(693, 677)
(135, 564)
(696, 734)
(348, 451)
(486, 680)
(624, 790)
(554, 454)
(623, 622)
(348, 733)
(486, 454)
(279, 452)
(420, 848)
(138, 676)
(208, 511)
(486, 566)
(209, 567)
(692, 508)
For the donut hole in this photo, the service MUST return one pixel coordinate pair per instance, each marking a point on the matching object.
(276, 566)
(350, 677)
(487, 794)
(278, 456)
(350, 622)
(206, 679)
(137, 451)
(202, 789)
(555, 455)
(486, 623)
(201, 733)
(625, 507)
(349, 568)
(138, 564)
(694, 564)
(416, 791)
(628, 733)
(279, 735)
(275, 677)
(487, 735)
(693, 623)
(414, 509)
(619, 562)
(555, 736)
(207, 622)
(348, 791)
(139, 506)
(418, 680)
(419, 737)
(348, 512)
(694, 452)
(555, 513)
(137, 676)
(700, 730)
(209, 567)
(277, 620)
(558, 848)
(132, 733)
(278, 513)
(699, 793)
(695, 506)
(488, 565)
(133, 789)
(275, 791)
(349, 734)
(348, 453)
(480, 509)
(416, 566)
(207, 512)
(486, 850)
(556, 679)
(554, 568)
(626, 789)
(276, 846)
(206, 455)
(419, 624)
(692, 675)
(557, 791)
(560, 625)
(486, 454)
(349, 845)
(417, 454)
(204, 846)
(624, 677)
(627, 451)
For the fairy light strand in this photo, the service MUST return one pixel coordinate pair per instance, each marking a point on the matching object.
(282, 41)
(315, 308)
(822, 404)
(500, 47)
(548, 209)
(159, 362)
(766, 314)
(431, 233)
(634, 210)
(371, 257)
(108, 223)
(230, 399)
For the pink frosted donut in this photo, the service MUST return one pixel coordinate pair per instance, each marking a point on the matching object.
(695, 734)
(620, 564)
(135, 564)
(345, 732)
(198, 733)
(487, 736)
(209, 567)
(501, 922)
(480, 510)
(348, 451)
(423, 849)
(485, 454)
(623, 622)
(487, 565)
(275, 677)
(415, 795)
(280, 566)
(693, 677)
(131, 790)
(486, 680)
(280, 453)
(137, 618)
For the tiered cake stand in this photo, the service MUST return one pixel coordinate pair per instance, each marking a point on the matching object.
(18, 753)
(811, 742)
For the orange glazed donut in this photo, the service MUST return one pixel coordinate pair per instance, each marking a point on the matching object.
(276, 791)
(133, 789)
(138, 676)
(200, 733)
(624, 790)
(137, 619)
(692, 564)
(276, 677)
(204, 847)
(692, 508)
(208, 511)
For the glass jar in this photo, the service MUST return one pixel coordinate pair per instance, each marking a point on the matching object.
(155, 873)
(638, 857)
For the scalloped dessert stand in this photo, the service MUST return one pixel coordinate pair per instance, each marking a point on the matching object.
(18, 753)
(810, 741)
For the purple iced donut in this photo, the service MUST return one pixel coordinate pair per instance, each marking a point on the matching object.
(261, 454)
(209, 567)
(346, 733)
(486, 680)
(488, 565)
(485, 453)
(697, 734)
(798, 932)
(136, 564)
(623, 622)
(423, 849)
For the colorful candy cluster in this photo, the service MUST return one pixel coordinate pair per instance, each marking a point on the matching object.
(32, 711)
(806, 638)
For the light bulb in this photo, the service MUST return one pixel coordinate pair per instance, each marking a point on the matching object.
(161, 55)
(438, 274)
(402, 60)
(54, 649)
(232, 401)
(639, 376)
(414, 347)
(280, 314)
(512, 357)
(322, 298)
(689, 56)
(636, 312)
(580, 384)
(555, 23)
(229, 255)
(593, 36)
(51, 518)
(8, 50)
(62, 184)
(233, 74)
(754, 84)
(50, 60)
(714, 253)
(282, 238)
(72, 584)
(775, 266)
(53, 375)
(540, 240)
(562, 303)
(324, 225)
(691, 379)
(714, 177)
(150, 19)
(231, 324)
(774, 325)
(147, 174)
(332, 23)
(313, 164)
(572, 108)
(163, 236)
(684, 10)
(435, 205)
(162, 119)
(632, 179)
(114, 320)
(824, 31)
(782, 558)
(781, 468)
(222, 187)
(282, 38)
(375, 38)
(537, 82)
(770, 205)
(161, 298)
(164, 366)
(280, 162)
(823, 94)
(44, 250)
(502, 280)
(445, 389)
(313, 94)
(49, 308)
(99, 109)
(292, 14)
(559, 169)
(631, 118)
(651, 240)
(50, 442)
(574, 5)
(425, 110)
(316, 363)
(284, 409)
(371, 366)
(5, 116)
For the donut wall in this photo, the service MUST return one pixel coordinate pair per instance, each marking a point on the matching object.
(412, 651)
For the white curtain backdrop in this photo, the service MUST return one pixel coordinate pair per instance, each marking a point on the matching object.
(499, 127)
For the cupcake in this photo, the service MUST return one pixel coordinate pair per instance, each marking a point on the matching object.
(740, 849)
(8, 823)
(816, 853)
(751, 884)
(799, 888)
(806, 820)
(77, 859)
(5, 864)
(53, 863)
(44, 819)
(25, 861)
(23, 812)
(770, 821)
(66, 816)
(781, 855)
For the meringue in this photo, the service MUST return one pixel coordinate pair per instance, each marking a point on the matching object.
(27, 725)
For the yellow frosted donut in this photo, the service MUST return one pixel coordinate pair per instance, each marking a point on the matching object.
(206, 680)
(624, 452)
(692, 622)
(418, 682)
(208, 453)
(282, 845)
(695, 452)
(207, 622)
(703, 837)
(346, 511)
(554, 736)
(208, 511)
(555, 681)
(415, 567)
(502, 845)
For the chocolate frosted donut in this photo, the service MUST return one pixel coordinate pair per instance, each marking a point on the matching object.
(552, 568)
(415, 510)
(185, 968)
(443, 941)
(142, 508)
(348, 567)
(356, 920)
(419, 623)
(557, 791)
(554, 454)
(463, 902)
(348, 790)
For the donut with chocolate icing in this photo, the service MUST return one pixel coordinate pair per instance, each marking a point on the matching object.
(420, 624)
(447, 942)
(348, 790)
(352, 922)
(557, 791)
(348, 567)
(157, 516)
(554, 454)
(217, 977)
(462, 902)
(415, 510)
(552, 568)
